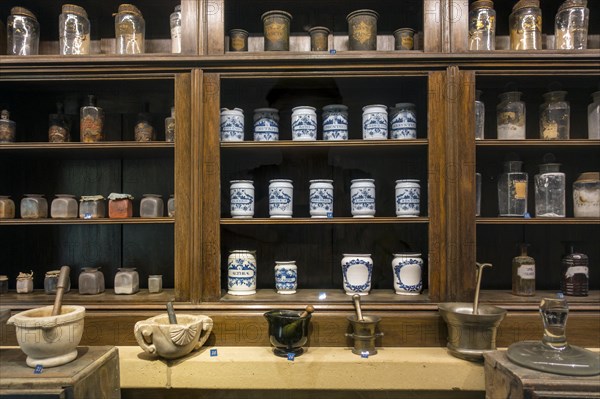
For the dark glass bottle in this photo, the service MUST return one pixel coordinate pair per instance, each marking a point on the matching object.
(574, 273)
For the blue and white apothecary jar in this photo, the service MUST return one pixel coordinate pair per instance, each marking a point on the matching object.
(281, 198)
(375, 122)
(362, 198)
(408, 272)
(242, 198)
(266, 124)
(335, 122)
(286, 277)
(357, 270)
(321, 198)
(241, 273)
(232, 124)
(408, 198)
(403, 123)
(304, 124)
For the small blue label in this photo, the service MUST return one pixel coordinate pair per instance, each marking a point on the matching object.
(364, 355)
(332, 51)
(291, 356)
(213, 353)
(330, 214)
(38, 369)
(87, 215)
(527, 215)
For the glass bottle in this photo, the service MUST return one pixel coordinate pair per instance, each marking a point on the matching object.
(91, 122)
(91, 281)
(8, 128)
(144, 131)
(130, 30)
(73, 30)
(511, 116)
(479, 116)
(575, 273)
(175, 22)
(555, 116)
(171, 206)
(59, 129)
(482, 26)
(523, 274)
(586, 195)
(512, 190)
(7, 207)
(170, 127)
(151, 206)
(550, 191)
(571, 25)
(23, 32)
(594, 117)
(127, 281)
(525, 23)
(25, 283)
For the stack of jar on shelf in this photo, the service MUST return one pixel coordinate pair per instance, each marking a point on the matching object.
(525, 26)
(91, 282)
(65, 206)
(23, 31)
(402, 124)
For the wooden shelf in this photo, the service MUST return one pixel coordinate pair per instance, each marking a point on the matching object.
(325, 144)
(334, 220)
(507, 300)
(109, 145)
(77, 150)
(536, 143)
(516, 220)
(35, 222)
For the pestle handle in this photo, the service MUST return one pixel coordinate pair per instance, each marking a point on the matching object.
(309, 309)
(171, 313)
(63, 282)
(480, 267)
(356, 300)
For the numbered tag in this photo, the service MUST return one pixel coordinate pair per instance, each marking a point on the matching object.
(213, 353)
(364, 355)
(291, 356)
(38, 369)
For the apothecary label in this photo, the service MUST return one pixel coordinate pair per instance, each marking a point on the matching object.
(526, 272)
(571, 271)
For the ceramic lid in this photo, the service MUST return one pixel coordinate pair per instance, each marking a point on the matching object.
(363, 11)
(482, 4)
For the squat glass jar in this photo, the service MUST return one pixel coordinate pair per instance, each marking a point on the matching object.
(64, 206)
(25, 283)
(34, 206)
(51, 282)
(152, 206)
(8, 128)
(7, 207)
(127, 281)
(92, 207)
(91, 281)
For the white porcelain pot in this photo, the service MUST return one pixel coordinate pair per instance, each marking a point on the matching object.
(321, 198)
(375, 122)
(286, 277)
(281, 198)
(403, 123)
(408, 198)
(48, 340)
(241, 273)
(232, 124)
(241, 198)
(408, 271)
(304, 124)
(335, 122)
(356, 271)
(362, 198)
(266, 124)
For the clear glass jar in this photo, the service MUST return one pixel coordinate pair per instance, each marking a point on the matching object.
(171, 206)
(479, 116)
(152, 206)
(34, 206)
(91, 281)
(59, 126)
(510, 114)
(555, 116)
(525, 23)
(3, 284)
(23, 32)
(127, 281)
(175, 22)
(482, 26)
(512, 190)
(586, 195)
(130, 30)
(64, 206)
(92, 207)
(170, 127)
(51, 282)
(154, 283)
(594, 117)
(91, 122)
(7, 207)
(550, 188)
(575, 276)
(144, 131)
(571, 25)
(25, 283)
(8, 128)
(73, 30)
(523, 274)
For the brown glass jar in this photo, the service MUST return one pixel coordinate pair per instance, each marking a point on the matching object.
(575, 274)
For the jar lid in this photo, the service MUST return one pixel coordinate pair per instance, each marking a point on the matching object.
(3, 278)
(129, 8)
(305, 107)
(404, 30)
(319, 29)
(152, 195)
(335, 107)
(405, 105)
(91, 198)
(89, 269)
(274, 110)
(407, 254)
(482, 4)
(239, 31)
(508, 94)
(22, 11)
(526, 4)
(572, 3)
(53, 273)
(558, 95)
(589, 177)
(25, 276)
(280, 181)
(73, 9)
(276, 12)
(119, 196)
(363, 11)
(126, 269)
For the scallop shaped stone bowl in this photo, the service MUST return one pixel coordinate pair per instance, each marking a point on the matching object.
(158, 337)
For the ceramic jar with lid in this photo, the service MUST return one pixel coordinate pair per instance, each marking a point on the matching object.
(304, 124)
(23, 32)
(375, 122)
(403, 123)
(171, 206)
(155, 283)
(127, 281)
(482, 26)
(357, 270)
(510, 116)
(408, 270)
(362, 198)
(525, 24)
(232, 124)
(319, 38)
(8, 128)
(404, 39)
(7, 207)
(92, 207)
(238, 40)
(175, 24)
(276, 25)
(555, 114)
(34, 206)
(130, 30)
(152, 206)
(170, 127)
(3, 284)
(91, 281)
(242, 198)
(241, 273)
(51, 282)
(73, 30)
(408, 198)
(335, 122)
(571, 25)
(64, 206)
(586, 195)
(286, 277)
(362, 30)
(25, 283)
(120, 206)
(321, 198)
(281, 198)
(266, 124)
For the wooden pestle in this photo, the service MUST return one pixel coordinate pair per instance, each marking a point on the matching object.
(171, 313)
(309, 309)
(356, 300)
(63, 282)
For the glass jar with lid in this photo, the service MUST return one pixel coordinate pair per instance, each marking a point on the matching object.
(25, 283)
(51, 282)
(59, 126)
(594, 117)
(73, 30)
(7, 207)
(8, 128)
(144, 131)
(130, 30)
(550, 188)
(23, 32)
(482, 26)
(511, 117)
(34, 206)
(92, 207)
(479, 116)
(152, 206)
(64, 206)
(555, 116)
(91, 122)
(512, 190)
(120, 206)
(127, 281)
(175, 22)
(91, 281)
(525, 24)
(586, 195)
(571, 25)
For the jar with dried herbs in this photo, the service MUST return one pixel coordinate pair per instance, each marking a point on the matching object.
(170, 127)
(571, 25)
(59, 129)
(8, 128)
(91, 122)
(92, 207)
(525, 23)
(144, 131)
(510, 114)
(7, 207)
(25, 283)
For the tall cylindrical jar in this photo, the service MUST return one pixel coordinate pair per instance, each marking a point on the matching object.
(403, 121)
(575, 276)
(586, 195)
(266, 124)
(408, 198)
(23, 32)
(232, 124)
(34, 206)
(241, 273)
(555, 115)
(550, 188)
(286, 277)
(91, 122)
(357, 270)
(525, 23)
(362, 30)
(281, 198)
(7, 207)
(242, 198)
(321, 198)
(238, 40)
(523, 274)
(362, 198)
(276, 25)
(304, 123)
(408, 271)
(175, 24)
(479, 116)
(512, 190)
(594, 117)
(335, 122)
(8, 128)
(571, 25)
(74, 30)
(130, 30)
(510, 115)
(482, 26)
(375, 122)
(319, 38)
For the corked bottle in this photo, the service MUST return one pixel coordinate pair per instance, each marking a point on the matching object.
(526, 25)
(91, 122)
(130, 30)
(523, 273)
(575, 273)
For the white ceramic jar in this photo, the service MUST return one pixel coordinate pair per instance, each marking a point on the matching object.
(304, 123)
(281, 198)
(64, 206)
(375, 122)
(25, 283)
(403, 123)
(242, 198)
(155, 283)
(408, 198)
(286, 277)
(357, 270)
(34, 206)
(362, 198)
(321, 198)
(127, 281)
(335, 122)
(232, 124)
(241, 273)
(408, 271)
(586, 195)
(266, 124)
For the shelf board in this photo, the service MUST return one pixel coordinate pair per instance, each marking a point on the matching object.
(77, 150)
(517, 220)
(108, 145)
(536, 143)
(35, 222)
(334, 220)
(324, 144)
(507, 300)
